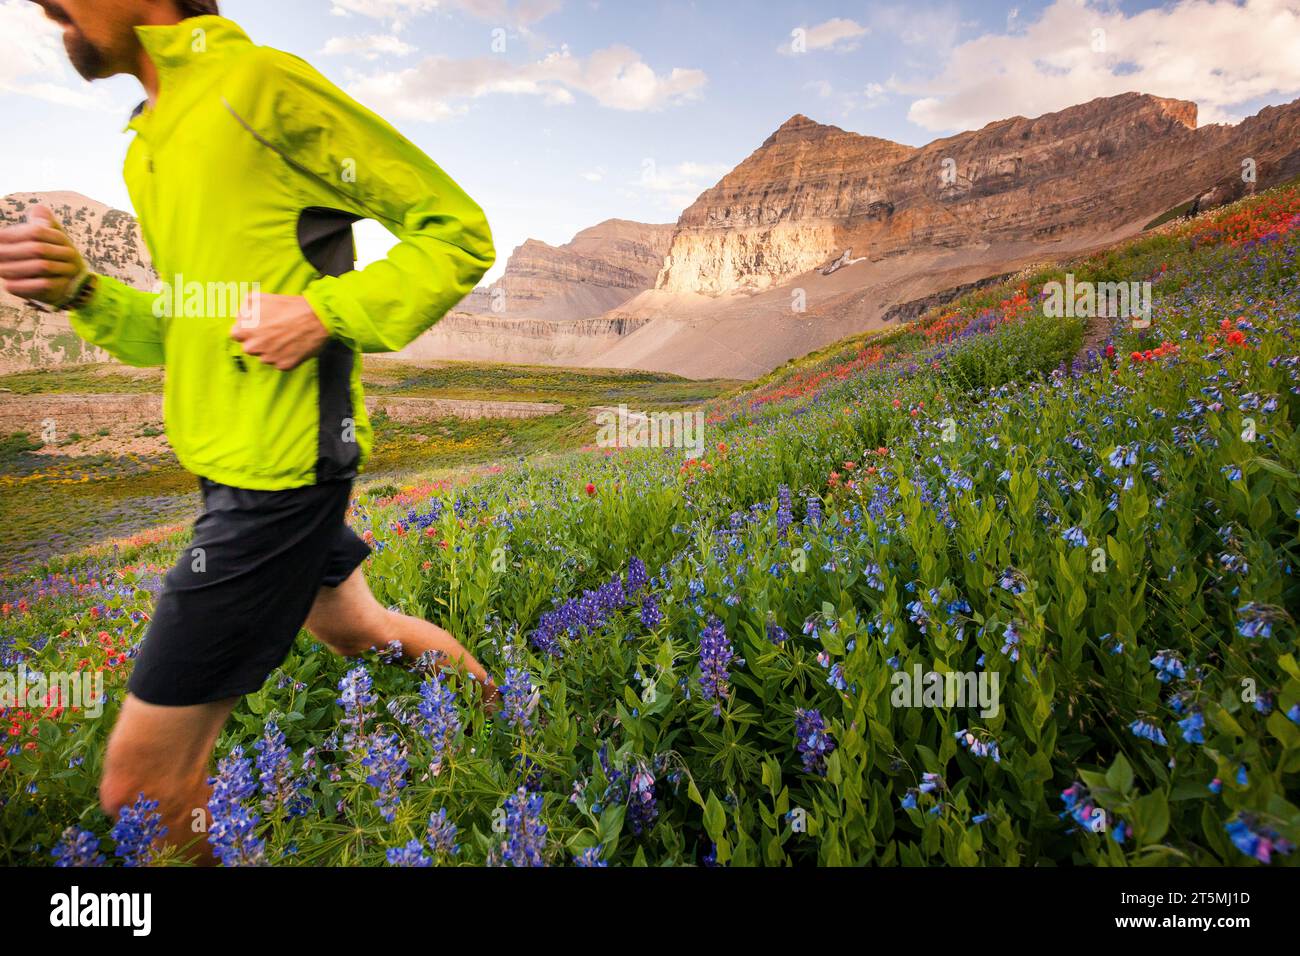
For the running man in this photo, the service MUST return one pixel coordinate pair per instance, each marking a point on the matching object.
(247, 170)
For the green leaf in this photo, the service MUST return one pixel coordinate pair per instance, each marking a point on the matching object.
(1153, 812)
(1120, 775)
(715, 818)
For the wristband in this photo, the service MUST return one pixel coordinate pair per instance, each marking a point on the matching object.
(83, 288)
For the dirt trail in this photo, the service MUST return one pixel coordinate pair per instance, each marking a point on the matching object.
(1095, 335)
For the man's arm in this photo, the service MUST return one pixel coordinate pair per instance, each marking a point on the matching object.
(39, 262)
(373, 171)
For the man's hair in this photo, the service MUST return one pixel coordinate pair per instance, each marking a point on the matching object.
(196, 8)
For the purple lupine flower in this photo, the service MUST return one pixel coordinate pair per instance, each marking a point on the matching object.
(588, 613)
(385, 767)
(410, 855)
(776, 633)
(590, 857)
(441, 834)
(814, 511)
(77, 848)
(783, 512)
(139, 827)
(281, 788)
(439, 720)
(814, 744)
(518, 699)
(232, 830)
(525, 842)
(354, 697)
(715, 656)
(651, 615)
(637, 576)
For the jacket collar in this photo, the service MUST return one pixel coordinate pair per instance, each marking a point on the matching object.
(174, 46)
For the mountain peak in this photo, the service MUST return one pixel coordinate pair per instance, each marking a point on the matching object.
(799, 128)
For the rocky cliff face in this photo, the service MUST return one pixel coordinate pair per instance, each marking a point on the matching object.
(811, 191)
(899, 224)
(111, 242)
(601, 268)
(778, 213)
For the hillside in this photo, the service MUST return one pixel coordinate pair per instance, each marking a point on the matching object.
(1088, 541)
(111, 242)
(741, 289)
(599, 269)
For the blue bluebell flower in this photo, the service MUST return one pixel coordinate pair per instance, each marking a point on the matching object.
(813, 742)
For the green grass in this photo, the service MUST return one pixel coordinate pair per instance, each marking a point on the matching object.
(45, 516)
(523, 383)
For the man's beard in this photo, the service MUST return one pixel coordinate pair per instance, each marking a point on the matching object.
(85, 57)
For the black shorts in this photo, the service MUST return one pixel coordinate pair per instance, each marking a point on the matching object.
(232, 606)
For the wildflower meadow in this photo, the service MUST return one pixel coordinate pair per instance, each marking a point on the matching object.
(1085, 527)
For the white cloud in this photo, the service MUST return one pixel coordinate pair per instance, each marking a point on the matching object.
(517, 13)
(821, 87)
(838, 35)
(678, 185)
(933, 29)
(615, 77)
(521, 13)
(33, 62)
(370, 47)
(1220, 53)
(596, 175)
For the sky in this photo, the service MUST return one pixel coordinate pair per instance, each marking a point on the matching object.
(555, 115)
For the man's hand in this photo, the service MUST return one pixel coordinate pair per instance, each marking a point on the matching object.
(37, 259)
(279, 330)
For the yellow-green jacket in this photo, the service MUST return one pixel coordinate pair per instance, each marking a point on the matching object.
(247, 175)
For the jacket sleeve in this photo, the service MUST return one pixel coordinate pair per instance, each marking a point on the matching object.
(371, 170)
(123, 322)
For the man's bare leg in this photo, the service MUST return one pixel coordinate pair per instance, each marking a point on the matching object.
(164, 753)
(350, 622)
